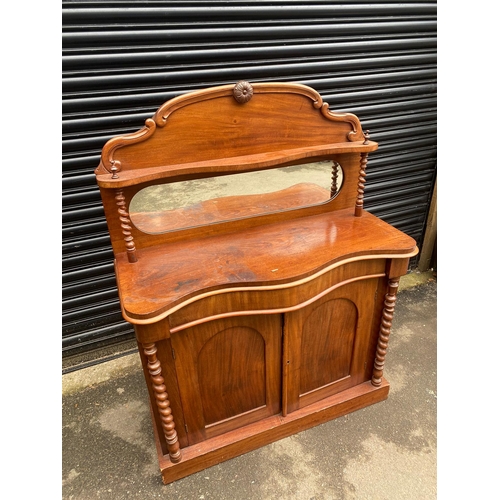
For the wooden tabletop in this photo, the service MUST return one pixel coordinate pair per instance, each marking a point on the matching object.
(165, 276)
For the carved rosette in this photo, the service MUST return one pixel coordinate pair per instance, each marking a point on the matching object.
(162, 402)
(242, 92)
(385, 330)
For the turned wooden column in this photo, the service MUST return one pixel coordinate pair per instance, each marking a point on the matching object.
(385, 330)
(126, 225)
(335, 179)
(358, 210)
(161, 397)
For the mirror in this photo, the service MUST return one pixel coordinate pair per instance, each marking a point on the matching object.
(168, 207)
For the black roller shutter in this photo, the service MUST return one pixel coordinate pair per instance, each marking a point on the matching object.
(122, 59)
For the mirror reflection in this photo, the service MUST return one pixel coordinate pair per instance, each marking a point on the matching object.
(168, 207)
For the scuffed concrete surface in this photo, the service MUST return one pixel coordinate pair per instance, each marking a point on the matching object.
(384, 452)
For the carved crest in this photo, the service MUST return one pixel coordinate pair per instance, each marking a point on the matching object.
(242, 92)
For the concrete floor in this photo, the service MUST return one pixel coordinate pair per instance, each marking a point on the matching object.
(383, 452)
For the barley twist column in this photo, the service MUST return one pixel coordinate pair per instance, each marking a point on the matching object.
(385, 330)
(335, 178)
(126, 226)
(361, 185)
(162, 402)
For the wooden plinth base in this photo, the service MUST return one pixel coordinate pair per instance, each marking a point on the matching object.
(232, 444)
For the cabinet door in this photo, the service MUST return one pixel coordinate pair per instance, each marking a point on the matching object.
(330, 344)
(229, 373)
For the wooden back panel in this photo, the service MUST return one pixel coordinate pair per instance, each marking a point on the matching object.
(211, 124)
(228, 129)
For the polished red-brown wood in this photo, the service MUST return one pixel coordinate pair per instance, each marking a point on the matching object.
(269, 430)
(267, 255)
(229, 373)
(256, 316)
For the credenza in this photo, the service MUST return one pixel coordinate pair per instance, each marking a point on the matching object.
(261, 291)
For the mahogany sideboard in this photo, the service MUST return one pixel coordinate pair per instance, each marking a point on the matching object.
(257, 314)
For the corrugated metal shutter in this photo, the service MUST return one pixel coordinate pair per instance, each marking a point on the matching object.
(122, 59)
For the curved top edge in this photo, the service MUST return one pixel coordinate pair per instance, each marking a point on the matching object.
(108, 164)
(163, 312)
(168, 107)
